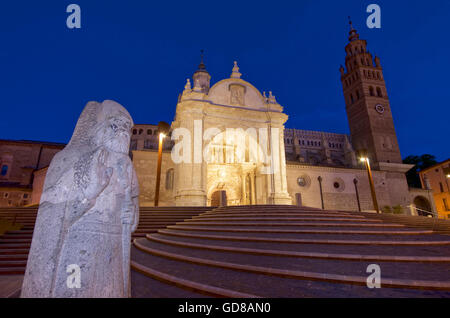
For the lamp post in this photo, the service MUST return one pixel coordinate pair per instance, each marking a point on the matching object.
(163, 130)
(355, 182)
(321, 192)
(363, 157)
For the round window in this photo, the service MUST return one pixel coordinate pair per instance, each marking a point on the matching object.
(304, 181)
(339, 184)
(301, 181)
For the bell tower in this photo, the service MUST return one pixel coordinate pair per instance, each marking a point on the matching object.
(367, 104)
(201, 77)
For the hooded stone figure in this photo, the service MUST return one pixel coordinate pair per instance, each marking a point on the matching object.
(88, 210)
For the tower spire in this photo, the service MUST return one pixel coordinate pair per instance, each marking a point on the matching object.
(353, 34)
(201, 76)
(201, 66)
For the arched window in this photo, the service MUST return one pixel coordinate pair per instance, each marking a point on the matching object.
(149, 131)
(379, 93)
(134, 131)
(351, 97)
(4, 170)
(141, 131)
(169, 179)
(357, 94)
(371, 91)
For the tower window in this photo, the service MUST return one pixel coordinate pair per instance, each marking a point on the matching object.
(357, 94)
(141, 131)
(441, 187)
(4, 170)
(371, 92)
(379, 93)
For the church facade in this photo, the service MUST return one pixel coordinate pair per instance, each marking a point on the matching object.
(229, 137)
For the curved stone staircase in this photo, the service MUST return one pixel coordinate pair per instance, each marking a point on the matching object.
(15, 245)
(286, 251)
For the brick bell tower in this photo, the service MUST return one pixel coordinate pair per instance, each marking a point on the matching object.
(367, 104)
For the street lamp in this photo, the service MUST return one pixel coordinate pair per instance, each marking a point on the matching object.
(363, 157)
(163, 131)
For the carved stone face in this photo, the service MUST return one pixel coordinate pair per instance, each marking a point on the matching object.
(117, 133)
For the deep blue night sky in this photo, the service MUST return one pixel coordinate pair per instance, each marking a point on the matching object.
(140, 53)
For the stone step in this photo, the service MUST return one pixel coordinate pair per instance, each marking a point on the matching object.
(280, 213)
(266, 271)
(20, 232)
(270, 286)
(297, 231)
(8, 236)
(144, 285)
(296, 254)
(15, 246)
(14, 241)
(12, 251)
(14, 257)
(389, 250)
(15, 263)
(290, 224)
(12, 271)
(293, 239)
(391, 269)
(283, 218)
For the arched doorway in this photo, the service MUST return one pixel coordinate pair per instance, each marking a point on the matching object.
(422, 204)
(215, 198)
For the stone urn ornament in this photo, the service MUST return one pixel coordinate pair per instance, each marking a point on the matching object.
(88, 210)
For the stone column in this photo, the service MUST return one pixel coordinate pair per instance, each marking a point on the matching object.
(252, 187)
(192, 187)
(279, 193)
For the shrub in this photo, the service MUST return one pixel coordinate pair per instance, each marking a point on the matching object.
(386, 209)
(398, 209)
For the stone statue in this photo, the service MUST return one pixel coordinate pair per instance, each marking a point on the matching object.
(88, 210)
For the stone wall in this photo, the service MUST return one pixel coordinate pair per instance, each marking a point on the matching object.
(145, 164)
(337, 186)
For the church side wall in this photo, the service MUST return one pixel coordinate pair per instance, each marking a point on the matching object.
(337, 186)
(145, 164)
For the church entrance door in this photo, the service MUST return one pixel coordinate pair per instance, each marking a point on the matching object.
(215, 198)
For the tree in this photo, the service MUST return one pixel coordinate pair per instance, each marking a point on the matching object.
(420, 163)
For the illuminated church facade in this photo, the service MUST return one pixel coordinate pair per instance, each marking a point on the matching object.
(225, 125)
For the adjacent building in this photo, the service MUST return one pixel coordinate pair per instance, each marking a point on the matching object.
(19, 160)
(437, 179)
